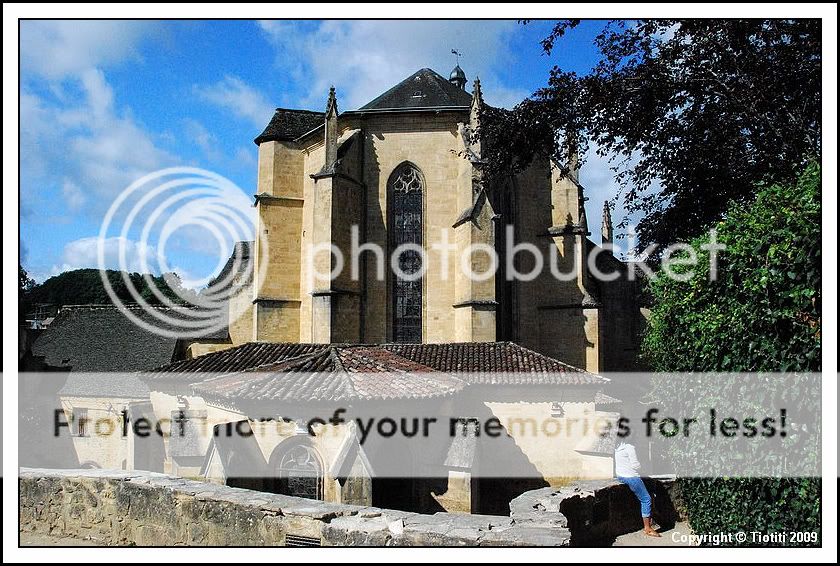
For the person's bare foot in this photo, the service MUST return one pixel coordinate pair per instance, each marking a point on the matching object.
(652, 533)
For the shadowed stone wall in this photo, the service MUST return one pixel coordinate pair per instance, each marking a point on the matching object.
(596, 512)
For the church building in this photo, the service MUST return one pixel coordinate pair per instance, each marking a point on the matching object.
(405, 170)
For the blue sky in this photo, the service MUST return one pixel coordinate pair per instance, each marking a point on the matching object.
(106, 102)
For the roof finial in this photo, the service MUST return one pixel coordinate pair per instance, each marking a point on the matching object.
(457, 76)
(332, 105)
(331, 131)
(606, 225)
(477, 90)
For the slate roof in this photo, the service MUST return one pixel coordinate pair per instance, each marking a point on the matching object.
(119, 385)
(288, 124)
(101, 338)
(422, 89)
(96, 338)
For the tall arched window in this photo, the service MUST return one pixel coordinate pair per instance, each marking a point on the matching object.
(406, 198)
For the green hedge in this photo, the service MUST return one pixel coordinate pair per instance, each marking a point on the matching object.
(762, 314)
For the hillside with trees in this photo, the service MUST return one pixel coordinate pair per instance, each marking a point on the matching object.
(85, 286)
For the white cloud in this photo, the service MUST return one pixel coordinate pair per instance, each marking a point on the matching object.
(200, 136)
(58, 49)
(240, 98)
(364, 58)
(246, 157)
(98, 149)
(84, 253)
(73, 195)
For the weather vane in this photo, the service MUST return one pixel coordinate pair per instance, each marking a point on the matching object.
(457, 56)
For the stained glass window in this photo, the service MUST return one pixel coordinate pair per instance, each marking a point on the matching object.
(407, 228)
(300, 473)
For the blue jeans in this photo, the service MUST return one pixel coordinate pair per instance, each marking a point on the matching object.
(637, 486)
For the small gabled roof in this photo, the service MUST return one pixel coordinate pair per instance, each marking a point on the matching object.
(422, 89)
(288, 125)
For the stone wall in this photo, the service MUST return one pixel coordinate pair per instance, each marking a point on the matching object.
(596, 512)
(148, 509)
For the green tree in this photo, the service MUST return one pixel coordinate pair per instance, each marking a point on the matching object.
(25, 286)
(84, 286)
(706, 108)
(761, 314)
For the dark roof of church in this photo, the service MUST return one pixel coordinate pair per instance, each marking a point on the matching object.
(422, 89)
(287, 125)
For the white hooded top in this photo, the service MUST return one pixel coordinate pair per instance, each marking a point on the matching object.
(626, 463)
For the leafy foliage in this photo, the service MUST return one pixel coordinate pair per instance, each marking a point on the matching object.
(763, 311)
(25, 282)
(84, 286)
(762, 314)
(25, 286)
(706, 108)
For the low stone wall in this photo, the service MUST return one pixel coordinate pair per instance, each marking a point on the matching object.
(149, 509)
(596, 512)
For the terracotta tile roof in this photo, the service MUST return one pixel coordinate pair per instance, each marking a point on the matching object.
(333, 373)
(246, 356)
(495, 363)
(287, 372)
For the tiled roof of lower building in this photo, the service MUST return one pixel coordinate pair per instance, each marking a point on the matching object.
(289, 372)
(239, 358)
(333, 373)
(485, 358)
